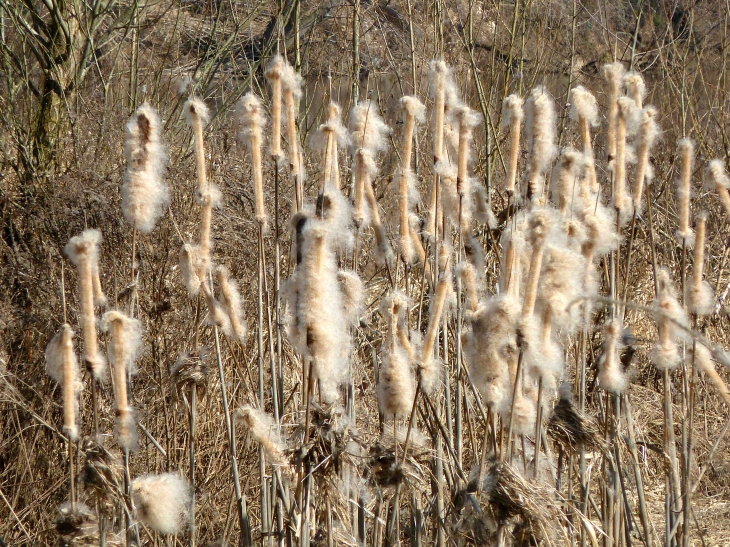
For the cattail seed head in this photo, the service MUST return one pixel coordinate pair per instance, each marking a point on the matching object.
(396, 385)
(686, 151)
(565, 178)
(353, 295)
(700, 297)
(232, 304)
(252, 118)
(513, 114)
(264, 431)
(648, 134)
(83, 252)
(611, 376)
(63, 367)
(144, 192)
(197, 115)
(368, 130)
(492, 348)
(621, 200)
(540, 137)
(614, 75)
(670, 318)
(273, 74)
(193, 268)
(162, 502)
(716, 179)
(635, 88)
(583, 106)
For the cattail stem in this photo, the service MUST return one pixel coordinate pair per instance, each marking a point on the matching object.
(197, 123)
(699, 253)
(619, 178)
(191, 435)
(435, 320)
(240, 499)
(274, 77)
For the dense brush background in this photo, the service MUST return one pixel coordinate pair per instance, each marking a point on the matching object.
(69, 81)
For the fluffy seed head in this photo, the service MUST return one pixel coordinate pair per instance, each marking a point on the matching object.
(264, 431)
(63, 367)
(611, 376)
(367, 128)
(196, 112)
(686, 151)
(144, 193)
(396, 385)
(564, 182)
(540, 135)
(635, 87)
(716, 176)
(413, 107)
(162, 502)
(583, 105)
(125, 351)
(353, 294)
(512, 110)
(670, 319)
(232, 304)
(193, 268)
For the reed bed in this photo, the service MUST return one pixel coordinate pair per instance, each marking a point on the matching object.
(414, 357)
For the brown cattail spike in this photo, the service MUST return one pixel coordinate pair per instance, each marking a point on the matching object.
(63, 367)
(83, 251)
(718, 180)
(614, 74)
(273, 74)
(686, 150)
(513, 114)
(648, 132)
(700, 298)
(252, 118)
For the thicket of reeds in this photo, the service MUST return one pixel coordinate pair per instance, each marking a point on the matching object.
(424, 352)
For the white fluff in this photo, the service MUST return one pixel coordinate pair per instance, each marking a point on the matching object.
(194, 109)
(162, 502)
(144, 192)
(583, 105)
(232, 304)
(611, 376)
(264, 431)
(131, 340)
(670, 319)
(540, 136)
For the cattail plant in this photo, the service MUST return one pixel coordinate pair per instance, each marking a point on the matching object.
(565, 178)
(264, 431)
(368, 132)
(717, 179)
(443, 90)
(83, 252)
(250, 112)
(231, 304)
(428, 368)
(63, 367)
(466, 120)
(611, 375)
(144, 192)
(614, 75)
(584, 110)
(686, 150)
(162, 502)
(317, 326)
(700, 297)
(621, 200)
(396, 385)
(670, 319)
(291, 83)
(207, 195)
(329, 138)
(273, 75)
(413, 112)
(648, 133)
(635, 88)
(124, 349)
(513, 115)
(540, 137)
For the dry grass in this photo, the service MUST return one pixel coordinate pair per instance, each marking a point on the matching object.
(220, 50)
